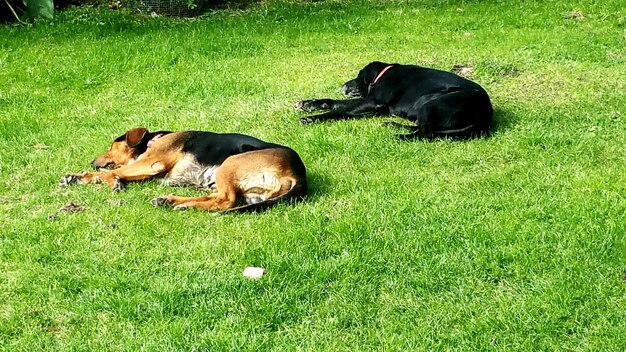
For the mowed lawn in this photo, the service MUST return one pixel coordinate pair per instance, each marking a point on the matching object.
(512, 242)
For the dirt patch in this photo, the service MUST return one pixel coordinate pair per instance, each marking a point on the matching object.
(574, 15)
(67, 208)
(499, 69)
(466, 71)
(72, 208)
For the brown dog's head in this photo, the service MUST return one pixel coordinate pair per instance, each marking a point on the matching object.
(124, 150)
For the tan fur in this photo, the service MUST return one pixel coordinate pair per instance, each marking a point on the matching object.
(262, 173)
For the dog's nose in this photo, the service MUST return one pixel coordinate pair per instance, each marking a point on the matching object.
(93, 164)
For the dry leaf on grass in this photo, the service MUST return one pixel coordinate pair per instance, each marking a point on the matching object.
(72, 208)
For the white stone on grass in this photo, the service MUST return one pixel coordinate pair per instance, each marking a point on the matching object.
(253, 272)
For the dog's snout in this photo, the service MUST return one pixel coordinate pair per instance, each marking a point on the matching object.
(351, 89)
(350, 92)
(344, 90)
(102, 164)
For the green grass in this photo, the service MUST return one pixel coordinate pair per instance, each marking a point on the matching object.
(513, 242)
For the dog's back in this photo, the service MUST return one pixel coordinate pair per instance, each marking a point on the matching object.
(413, 81)
(213, 148)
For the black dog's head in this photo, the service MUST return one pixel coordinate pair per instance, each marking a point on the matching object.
(360, 86)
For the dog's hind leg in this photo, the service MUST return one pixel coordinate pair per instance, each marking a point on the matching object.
(225, 197)
(457, 115)
(173, 200)
(212, 202)
(215, 204)
(424, 116)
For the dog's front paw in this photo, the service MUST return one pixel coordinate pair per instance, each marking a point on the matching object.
(181, 207)
(307, 120)
(299, 106)
(118, 185)
(69, 179)
(161, 201)
(304, 105)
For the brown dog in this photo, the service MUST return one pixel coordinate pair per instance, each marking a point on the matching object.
(244, 173)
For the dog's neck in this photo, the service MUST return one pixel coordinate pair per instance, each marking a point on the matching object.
(149, 143)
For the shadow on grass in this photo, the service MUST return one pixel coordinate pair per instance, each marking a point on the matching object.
(319, 184)
(502, 119)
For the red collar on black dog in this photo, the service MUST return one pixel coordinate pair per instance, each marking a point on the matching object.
(381, 73)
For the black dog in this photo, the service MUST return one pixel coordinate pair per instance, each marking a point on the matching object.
(440, 103)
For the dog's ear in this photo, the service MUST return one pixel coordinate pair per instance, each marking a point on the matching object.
(134, 136)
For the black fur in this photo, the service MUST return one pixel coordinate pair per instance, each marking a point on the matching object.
(213, 148)
(439, 103)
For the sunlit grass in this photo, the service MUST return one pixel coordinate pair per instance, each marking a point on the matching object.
(513, 242)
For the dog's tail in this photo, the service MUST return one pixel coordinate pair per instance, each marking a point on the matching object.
(470, 131)
(459, 133)
(455, 133)
(297, 192)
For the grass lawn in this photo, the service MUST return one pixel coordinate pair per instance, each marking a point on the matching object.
(513, 242)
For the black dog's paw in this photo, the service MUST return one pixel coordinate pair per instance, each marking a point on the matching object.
(299, 106)
(313, 105)
(304, 105)
(118, 186)
(69, 179)
(406, 137)
(307, 120)
(392, 124)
